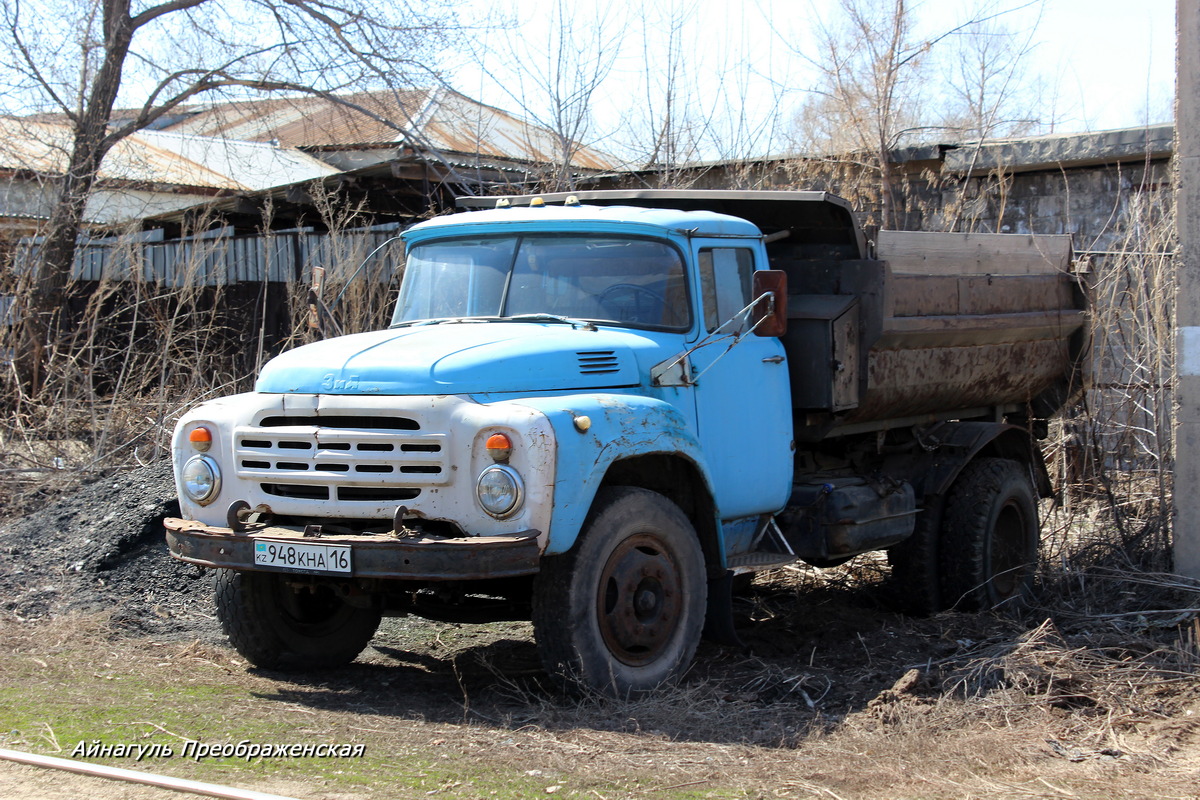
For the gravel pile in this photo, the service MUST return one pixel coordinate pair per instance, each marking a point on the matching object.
(101, 549)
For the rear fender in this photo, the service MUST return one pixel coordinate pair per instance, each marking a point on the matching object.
(961, 442)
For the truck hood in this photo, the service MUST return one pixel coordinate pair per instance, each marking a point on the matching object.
(459, 358)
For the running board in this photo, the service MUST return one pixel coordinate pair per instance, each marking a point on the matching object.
(768, 534)
(759, 560)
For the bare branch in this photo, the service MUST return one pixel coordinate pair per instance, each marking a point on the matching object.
(154, 12)
(14, 28)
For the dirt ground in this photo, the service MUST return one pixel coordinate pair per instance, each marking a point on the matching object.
(1087, 693)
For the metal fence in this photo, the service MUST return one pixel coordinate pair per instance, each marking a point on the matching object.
(374, 255)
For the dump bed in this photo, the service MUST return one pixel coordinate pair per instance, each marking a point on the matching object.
(937, 326)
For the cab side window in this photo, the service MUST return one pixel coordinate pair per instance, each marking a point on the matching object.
(725, 280)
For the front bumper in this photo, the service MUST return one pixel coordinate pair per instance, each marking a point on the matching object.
(379, 555)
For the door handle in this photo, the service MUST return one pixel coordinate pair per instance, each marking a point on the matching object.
(773, 360)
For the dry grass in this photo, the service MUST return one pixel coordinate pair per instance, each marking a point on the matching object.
(1035, 715)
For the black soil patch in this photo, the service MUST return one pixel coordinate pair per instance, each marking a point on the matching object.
(101, 549)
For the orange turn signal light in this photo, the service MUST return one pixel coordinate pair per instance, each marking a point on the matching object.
(201, 438)
(499, 447)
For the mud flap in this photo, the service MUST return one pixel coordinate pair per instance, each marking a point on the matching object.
(718, 620)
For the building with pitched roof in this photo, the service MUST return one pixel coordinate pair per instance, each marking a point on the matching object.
(366, 128)
(402, 153)
(144, 175)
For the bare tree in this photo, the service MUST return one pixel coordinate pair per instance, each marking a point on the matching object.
(987, 89)
(868, 89)
(875, 85)
(671, 134)
(78, 59)
(553, 79)
(702, 99)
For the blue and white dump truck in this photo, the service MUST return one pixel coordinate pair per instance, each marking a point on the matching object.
(595, 411)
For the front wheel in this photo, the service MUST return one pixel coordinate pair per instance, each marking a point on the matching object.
(622, 611)
(275, 622)
(990, 536)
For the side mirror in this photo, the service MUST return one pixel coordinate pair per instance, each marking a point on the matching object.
(770, 313)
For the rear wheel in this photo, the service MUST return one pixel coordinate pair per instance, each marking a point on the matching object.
(916, 582)
(275, 622)
(622, 611)
(990, 535)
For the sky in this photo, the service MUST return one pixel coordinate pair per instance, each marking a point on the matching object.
(1105, 63)
(1114, 59)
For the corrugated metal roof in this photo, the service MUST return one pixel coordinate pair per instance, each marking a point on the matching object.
(306, 121)
(252, 166)
(155, 157)
(435, 119)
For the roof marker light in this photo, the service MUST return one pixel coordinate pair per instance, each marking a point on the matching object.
(537, 202)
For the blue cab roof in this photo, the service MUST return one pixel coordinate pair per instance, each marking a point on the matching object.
(585, 217)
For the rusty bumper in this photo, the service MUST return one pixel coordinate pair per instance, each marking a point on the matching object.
(374, 555)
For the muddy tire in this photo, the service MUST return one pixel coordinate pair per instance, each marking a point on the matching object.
(916, 579)
(622, 611)
(990, 535)
(275, 625)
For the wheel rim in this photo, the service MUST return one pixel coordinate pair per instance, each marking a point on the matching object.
(639, 602)
(1009, 559)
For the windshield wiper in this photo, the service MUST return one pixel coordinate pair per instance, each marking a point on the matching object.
(574, 323)
(412, 323)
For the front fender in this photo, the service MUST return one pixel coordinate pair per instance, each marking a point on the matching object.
(617, 427)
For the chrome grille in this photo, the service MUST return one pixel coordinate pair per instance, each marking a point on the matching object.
(364, 459)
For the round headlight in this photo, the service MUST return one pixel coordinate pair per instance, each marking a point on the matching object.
(201, 479)
(500, 490)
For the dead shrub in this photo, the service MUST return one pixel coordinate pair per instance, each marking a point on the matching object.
(139, 345)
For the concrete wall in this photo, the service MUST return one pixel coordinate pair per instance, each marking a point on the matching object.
(1081, 184)
(1084, 185)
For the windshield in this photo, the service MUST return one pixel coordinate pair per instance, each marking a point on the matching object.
(626, 281)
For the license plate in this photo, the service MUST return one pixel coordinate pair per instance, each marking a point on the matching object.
(303, 557)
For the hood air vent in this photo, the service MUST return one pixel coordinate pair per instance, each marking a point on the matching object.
(598, 362)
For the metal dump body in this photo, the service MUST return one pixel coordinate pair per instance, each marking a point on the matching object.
(938, 326)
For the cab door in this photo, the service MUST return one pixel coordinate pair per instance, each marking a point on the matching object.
(742, 394)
